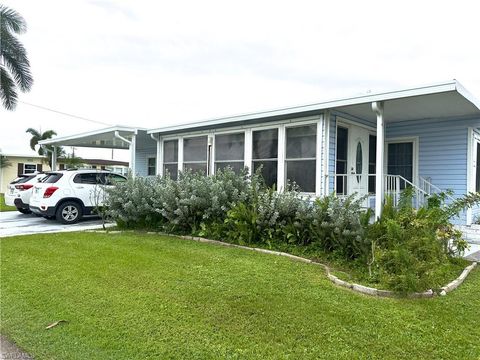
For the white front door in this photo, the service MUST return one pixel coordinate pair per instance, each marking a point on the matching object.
(357, 161)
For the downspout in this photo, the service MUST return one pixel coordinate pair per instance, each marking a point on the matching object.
(131, 146)
(377, 107)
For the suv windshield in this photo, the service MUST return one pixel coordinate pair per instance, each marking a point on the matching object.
(51, 178)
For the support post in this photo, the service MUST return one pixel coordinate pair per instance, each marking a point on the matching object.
(54, 158)
(377, 107)
(132, 154)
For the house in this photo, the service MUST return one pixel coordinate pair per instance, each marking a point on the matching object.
(426, 138)
(26, 164)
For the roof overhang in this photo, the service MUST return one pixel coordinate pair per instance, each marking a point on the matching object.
(102, 138)
(443, 100)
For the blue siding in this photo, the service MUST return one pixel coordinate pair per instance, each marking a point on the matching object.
(145, 147)
(442, 151)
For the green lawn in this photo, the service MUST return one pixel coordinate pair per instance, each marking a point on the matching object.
(4, 207)
(138, 296)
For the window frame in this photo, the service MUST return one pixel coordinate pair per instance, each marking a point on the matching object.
(154, 166)
(195, 162)
(177, 163)
(315, 159)
(29, 171)
(214, 148)
(277, 159)
(415, 141)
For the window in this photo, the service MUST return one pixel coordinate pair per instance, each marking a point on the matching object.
(170, 158)
(265, 154)
(195, 154)
(372, 162)
(88, 178)
(301, 156)
(230, 151)
(341, 160)
(152, 166)
(112, 179)
(51, 178)
(29, 168)
(400, 160)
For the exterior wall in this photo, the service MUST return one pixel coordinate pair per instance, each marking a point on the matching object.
(145, 148)
(442, 151)
(9, 173)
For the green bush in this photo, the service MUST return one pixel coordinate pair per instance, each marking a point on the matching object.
(406, 250)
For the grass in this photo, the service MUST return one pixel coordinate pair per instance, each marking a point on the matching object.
(4, 207)
(139, 296)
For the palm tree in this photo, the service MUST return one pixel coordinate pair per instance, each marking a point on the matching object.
(45, 150)
(4, 162)
(14, 64)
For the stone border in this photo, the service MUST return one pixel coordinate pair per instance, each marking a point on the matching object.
(351, 286)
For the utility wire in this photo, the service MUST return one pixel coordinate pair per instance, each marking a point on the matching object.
(66, 114)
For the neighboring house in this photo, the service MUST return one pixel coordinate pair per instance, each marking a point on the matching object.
(426, 138)
(25, 164)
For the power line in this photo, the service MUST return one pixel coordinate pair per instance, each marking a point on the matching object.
(66, 114)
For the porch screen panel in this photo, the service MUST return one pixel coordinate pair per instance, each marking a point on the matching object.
(341, 160)
(151, 166)
(195, 154)
(400, 160)
(230, 151)
(265, 154)
(301, 156)
(170, 158)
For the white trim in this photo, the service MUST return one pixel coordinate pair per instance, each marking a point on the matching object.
(180, 155)
(57, 140)
(318, 152)
(407, 139)
(326, 154)
(281, 156)
(259, 126)
(348, 123)
(248, 155)
(472, 141)
(447, 86)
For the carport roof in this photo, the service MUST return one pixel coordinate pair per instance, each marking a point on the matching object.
(447, 99)
(102, 138)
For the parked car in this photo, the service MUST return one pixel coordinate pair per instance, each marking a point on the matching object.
(69, 195)
(20, 190)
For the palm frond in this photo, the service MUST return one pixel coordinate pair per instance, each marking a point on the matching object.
(16, 60)
(36, 137)
(12, 20)
(48, 134)
(8, 93)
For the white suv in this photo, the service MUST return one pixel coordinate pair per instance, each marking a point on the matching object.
(68, 195)
(20, 190)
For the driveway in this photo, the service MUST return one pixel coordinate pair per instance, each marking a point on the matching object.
(14, 223)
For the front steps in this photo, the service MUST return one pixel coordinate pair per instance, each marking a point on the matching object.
(472, 235)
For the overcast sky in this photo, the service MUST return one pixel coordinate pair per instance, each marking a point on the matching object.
(155, 63)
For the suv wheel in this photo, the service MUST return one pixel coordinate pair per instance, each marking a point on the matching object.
(69, 212)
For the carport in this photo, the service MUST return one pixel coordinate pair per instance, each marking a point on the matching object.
(115, 137)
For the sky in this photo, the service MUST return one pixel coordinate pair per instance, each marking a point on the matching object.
(156, 63)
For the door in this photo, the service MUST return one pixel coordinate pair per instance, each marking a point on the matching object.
(357, 160)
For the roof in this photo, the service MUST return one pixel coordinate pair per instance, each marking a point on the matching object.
(447, 99)
(101, 138)
(35, 156)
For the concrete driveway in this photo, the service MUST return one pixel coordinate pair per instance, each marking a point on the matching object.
(14, 223)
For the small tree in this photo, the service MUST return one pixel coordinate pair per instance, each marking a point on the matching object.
(44, 150)
(4, 162)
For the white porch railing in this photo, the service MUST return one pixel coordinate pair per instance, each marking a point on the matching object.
(346, 184)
